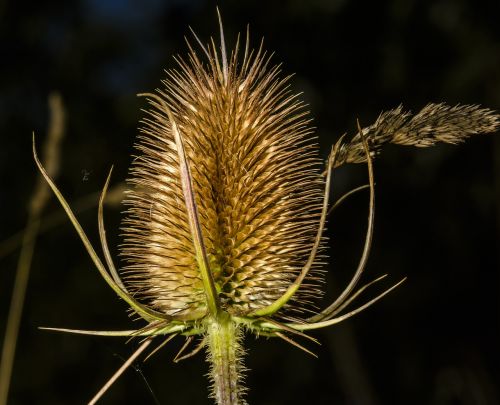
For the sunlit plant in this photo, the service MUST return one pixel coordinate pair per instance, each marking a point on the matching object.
(227, 205)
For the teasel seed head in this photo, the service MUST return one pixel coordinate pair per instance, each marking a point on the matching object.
(256, 180)
(227, 208)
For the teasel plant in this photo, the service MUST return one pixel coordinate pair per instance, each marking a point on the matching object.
(227, 204)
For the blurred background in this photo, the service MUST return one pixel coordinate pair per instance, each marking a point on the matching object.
(432, 341)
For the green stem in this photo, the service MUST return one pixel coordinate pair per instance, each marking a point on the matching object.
(224, 355)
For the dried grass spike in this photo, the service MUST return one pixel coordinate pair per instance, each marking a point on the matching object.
(434, 123)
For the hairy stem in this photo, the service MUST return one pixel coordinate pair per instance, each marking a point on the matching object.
(224, 355)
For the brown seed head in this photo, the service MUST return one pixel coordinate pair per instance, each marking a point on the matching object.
(257, 184)
(226, 208)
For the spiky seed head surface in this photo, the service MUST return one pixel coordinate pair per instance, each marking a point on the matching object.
(257, 183)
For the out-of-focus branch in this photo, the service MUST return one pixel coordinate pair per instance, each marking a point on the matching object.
(51, 152)
(113, 198)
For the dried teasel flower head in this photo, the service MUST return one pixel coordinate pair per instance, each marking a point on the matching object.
(227, 206)
(256, 183)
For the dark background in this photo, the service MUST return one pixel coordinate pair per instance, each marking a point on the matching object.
(432, 341)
